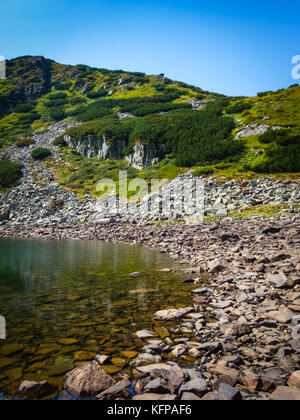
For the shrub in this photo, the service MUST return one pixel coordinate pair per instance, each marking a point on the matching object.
(56, 103)
(98, 94)
(77, 100)
(10, 173)
(57, 114)
(280, 159)
(282, 137)
(238, 107)
(203, 171)
(59, 141)
(40, 153)
(63, 86)
(23, 108)
(24, 142)
(58, 95)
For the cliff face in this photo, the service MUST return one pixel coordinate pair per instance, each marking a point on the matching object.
(92, 146)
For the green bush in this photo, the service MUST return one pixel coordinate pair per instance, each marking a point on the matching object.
(63, 86)
(40, 153)
(24, 142)
(238, 107)
(23, 108)
(10, 173)
(282, 137)
(203, 171)
(98, 94)
(57, 114)
(280, 159)
(56, 103)
(59, 141)
(58, 95)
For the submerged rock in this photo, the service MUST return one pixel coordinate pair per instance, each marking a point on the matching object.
(35, 390)
(172, 314)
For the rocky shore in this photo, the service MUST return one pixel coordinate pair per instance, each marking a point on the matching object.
(240, 336)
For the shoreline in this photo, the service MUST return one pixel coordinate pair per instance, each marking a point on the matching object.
(245, 325)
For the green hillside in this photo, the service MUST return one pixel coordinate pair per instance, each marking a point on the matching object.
(193, 128)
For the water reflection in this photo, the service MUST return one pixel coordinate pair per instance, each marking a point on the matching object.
(56, 290)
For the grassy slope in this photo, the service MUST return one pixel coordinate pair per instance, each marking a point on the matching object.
(79, 174)
(283, 109)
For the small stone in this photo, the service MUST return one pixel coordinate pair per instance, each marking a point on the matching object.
(101, 359)
(215, 266)
(112, 392)
(250, 380)
(197, 386)
(155, 397)
(284, 393)
(283, 315)
(178, 350)
(172, 314)
(294, 380)
(144, 334)
(278, 281)
(35, 390)
(83, 356)
(162, 332)
(214, 396)
(230, 393)
(11, 349)
(145, 359)
(158, 386)
(189, 396)
(129, 354)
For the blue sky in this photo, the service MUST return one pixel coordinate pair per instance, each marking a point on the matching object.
(231, 47)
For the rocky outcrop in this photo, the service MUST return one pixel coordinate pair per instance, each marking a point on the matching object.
(255, 129)
(93, 146)
(143, 155)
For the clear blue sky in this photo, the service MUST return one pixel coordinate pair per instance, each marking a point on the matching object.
(232, 47)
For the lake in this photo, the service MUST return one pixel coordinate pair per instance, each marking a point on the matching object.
(66, 301)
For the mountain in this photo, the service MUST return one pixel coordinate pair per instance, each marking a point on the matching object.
(148, 121)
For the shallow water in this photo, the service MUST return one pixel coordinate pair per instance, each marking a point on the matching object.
(64, 297)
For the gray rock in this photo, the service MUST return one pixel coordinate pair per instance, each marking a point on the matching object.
(278, 281)
(197, 386)
(172, 314)
(35, 390)
(88, 380)
(229, 392)
(189, 396)
(155, 397)
(112, 392)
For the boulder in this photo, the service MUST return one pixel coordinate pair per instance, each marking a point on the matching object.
(284, 393)
(35, 390)
(88, 380)
(294, 380)
(172, 314)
